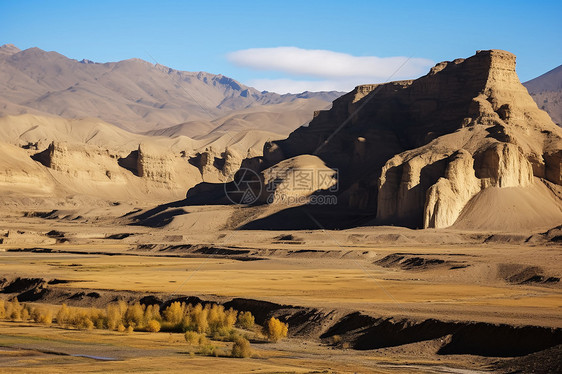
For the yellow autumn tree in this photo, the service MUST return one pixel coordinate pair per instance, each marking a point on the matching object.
(174, 313)
(113, 316)
(275, 329)
(14, 310)
(241, 348)
(246, 320)
(200, 318)
(63, 315)
(153, 325)
(134, 315)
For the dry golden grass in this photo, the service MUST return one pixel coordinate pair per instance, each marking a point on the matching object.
(197, 321)
(327, 279)
(321, 282)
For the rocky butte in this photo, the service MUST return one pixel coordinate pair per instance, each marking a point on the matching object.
(463, 141)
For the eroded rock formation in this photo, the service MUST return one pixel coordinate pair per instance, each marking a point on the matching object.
(93, 170)
(447, 197)
(215, 166)
(82, 161)
(416, 152)
(157, 166)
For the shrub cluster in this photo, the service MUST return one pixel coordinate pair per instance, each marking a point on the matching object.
(241, 348)
(15, 311)
(199, 323)
(212, 320)
(245, 320)
(121, 317)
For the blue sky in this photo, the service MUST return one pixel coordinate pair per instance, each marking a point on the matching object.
(328, 39)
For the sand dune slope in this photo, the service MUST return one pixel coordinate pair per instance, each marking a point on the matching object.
(512, 209)
(20, 174)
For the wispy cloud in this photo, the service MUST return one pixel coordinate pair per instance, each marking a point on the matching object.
(327, 70)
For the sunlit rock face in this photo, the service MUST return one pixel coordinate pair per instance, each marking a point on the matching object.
(416, 152)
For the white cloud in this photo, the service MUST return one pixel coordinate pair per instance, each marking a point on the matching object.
(329, 64)
(323, 70)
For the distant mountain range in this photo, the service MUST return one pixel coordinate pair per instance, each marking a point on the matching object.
(139, 96)
(546, 90)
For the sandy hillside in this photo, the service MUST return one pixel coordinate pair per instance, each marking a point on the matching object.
(278, 118)
(546, 90)
(94, 158)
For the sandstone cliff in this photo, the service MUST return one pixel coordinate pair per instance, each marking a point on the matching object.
(416, 152)
(216, 166)
(92, 170)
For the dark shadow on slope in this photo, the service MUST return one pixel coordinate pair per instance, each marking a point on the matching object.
(475, 338)
(159, 219)
(207, 194)
(305, 217)
(160, 215)
(542, 362)
(201, 194)
(309, 217)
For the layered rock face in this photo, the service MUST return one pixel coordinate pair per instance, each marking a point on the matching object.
(157, 166)
(217, 167)
(448, 196)
(86, 162)
(97, 171)
(417, 152)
